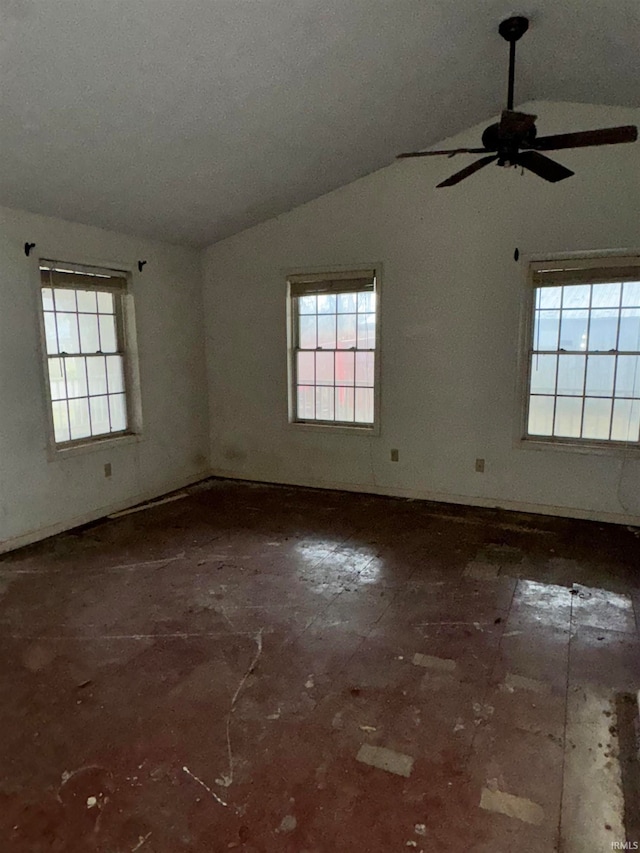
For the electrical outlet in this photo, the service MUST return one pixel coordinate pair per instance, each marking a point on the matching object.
(107, 469)
(394, 455)
(480, 466)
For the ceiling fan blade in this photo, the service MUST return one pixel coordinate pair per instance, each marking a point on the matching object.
(469, 170)
(543, 166)
(512, 123)
(582, 139)
(449, 152)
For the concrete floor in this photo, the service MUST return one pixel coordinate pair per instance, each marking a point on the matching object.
(275, 669)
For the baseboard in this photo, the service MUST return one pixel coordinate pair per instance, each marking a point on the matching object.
(32, 536)
(516, 506)
(446, 497)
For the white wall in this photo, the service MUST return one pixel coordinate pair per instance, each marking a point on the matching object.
(38, 496)
(450, 316)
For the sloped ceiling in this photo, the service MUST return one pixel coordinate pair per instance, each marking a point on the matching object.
(190, 120)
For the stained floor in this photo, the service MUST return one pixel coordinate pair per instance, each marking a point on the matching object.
(261, 668)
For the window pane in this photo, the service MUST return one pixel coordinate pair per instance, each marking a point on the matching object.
(327, 331)
(118, 412)
(305, 368)
(105, 302)
(631, 293)
(543, 374)
(56, 379)
(600, 371)
(366, 301)
(549, 297)
(79, 418)
(326, 303)
(347, 303)
(626, 420)
(89, 340)
(97, 372)
(50, 333)
(307, 304)
(324, 369)
(47, 299)
(545, 334)
(568, 417)
(603, 329)
(60, 421)
(629, 330)
(307, 332)
(541, 416)
(344, 404)
(628, 376)
(115, 374)
(364, 368)
(571, 374)
(87, 301)
(65, 300)
(76, 377)
(68, 340)
(324, 404)
(606, 295)
(597, 418)
(99, 407)
(576, 296)
(573, 330)
(306, 403)
(108, 333)
(364, 405)
(366, 331)
(346, 331)
(345, 368)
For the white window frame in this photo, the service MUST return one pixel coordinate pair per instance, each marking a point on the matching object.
(317, 277)
(72, 275)
(579, 268)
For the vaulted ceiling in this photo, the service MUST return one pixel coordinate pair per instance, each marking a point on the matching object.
(189, 120)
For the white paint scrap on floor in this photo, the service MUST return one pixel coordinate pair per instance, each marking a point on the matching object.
(287, 824)
(385, 759)
(481, 571)
(430, 662)
(493, 800)
(592, 796)
(520, 682)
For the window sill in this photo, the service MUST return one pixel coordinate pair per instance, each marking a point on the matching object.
(594, 449)
(57, 454)
(338, 429)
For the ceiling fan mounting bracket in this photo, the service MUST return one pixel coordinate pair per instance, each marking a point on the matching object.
(512, 29)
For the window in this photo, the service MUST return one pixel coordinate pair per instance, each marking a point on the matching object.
(584, 357)
(333, 346)
(83, 313)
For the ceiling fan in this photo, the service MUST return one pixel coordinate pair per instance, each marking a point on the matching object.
(513, 141)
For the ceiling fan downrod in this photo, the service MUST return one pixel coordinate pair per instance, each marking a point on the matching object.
(512, 30)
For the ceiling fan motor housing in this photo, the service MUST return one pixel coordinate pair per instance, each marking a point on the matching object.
(505, 144)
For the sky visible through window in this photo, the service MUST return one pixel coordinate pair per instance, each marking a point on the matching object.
(335, 357)
(585, 362)
(85, 366)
